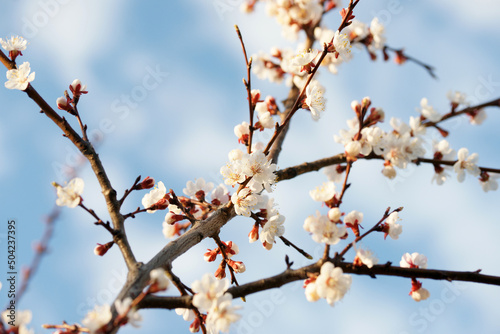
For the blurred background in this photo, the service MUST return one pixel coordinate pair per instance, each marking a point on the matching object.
(182, 129)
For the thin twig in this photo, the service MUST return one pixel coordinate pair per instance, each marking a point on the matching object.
(373, 229)
(430, 69)
(248, 87)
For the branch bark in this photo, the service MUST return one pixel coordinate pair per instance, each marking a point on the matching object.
(289, 276)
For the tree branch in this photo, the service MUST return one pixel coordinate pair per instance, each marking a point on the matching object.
(289, 276)
(86, 148)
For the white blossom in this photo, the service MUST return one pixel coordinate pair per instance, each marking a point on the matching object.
(353, 218)
(428, 111)
(265, 117)
(414, 260)
(478, 117)
(272, 229)
(20, 77)
(192, 188)
(315, 100)
(353, 148)
(244, 201)
(394, 229)
(356, 29)
(260, 168)
(366, 257)
(420, 294)
(159, 278)
(233, 173)
(187, 314)
(490, 183)
(267, 206)
(332, 283)
(97, 318)
(377, 30)
(70, 194)
(457, 98)
(304, 58)
(21, 318)
(442, 151)
(311, 293)
(323, 193)
(154, 195)
(208, 290)
(222, 314)
(15, 43)
(122, 308)
(323, 230)
(261, 68)
(333, 175)
(389, 172)
(342, 45)
(467, 163)
(220, 195)
(169, 230)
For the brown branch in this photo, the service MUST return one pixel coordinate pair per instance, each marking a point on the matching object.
(128, 191)
(297, 248)
(492, 103)
(430, 69)
(306, 167)
(201, 230)
(99, 221)
(313, 166)
(289, 276)
(248, 86)
(89, 152)
(282, 129)
(373, 229)
(222, 249)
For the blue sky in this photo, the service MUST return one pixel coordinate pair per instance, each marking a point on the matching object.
(183, 129)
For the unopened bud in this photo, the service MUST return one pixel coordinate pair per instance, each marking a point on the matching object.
(63, 103)
(366, 102)
(147, 183)
(100, 250)
(254, 234)
(334, 215)
(356, 107)
(237, 266)
(211, 255)
(231, 249)
(220, 273)
(255, 96)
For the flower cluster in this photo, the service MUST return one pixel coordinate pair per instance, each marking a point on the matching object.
(230, 249)
(211, 297)
(202, 200)
(405, 144)
(358, 34)
(293, 16)
(324, 230)
(415, 260)
(126, 309)
(254, 166)
(257, 172)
